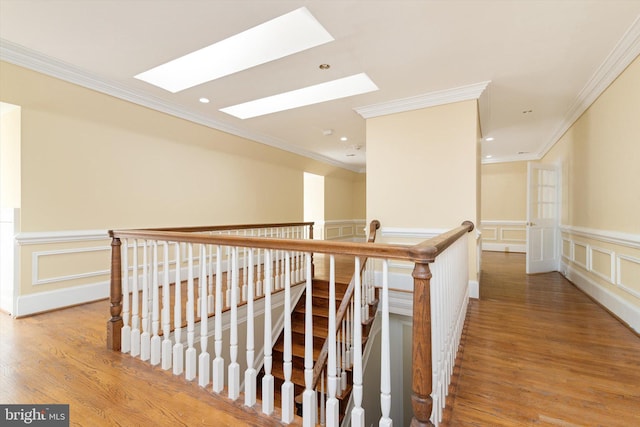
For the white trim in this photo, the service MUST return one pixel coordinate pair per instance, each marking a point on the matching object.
(401, 302)
(502, 229)
(35, 265)
(612, 273)
(507, 222)
(570, 256)
(60, 298)
(623, 309)
(586, 247)
(504, 247)
(618, 238)
(47, 237)
(618, 280)
(473, 291)
(430, 99)
(24, 57)
(411, 233)
(625, 51)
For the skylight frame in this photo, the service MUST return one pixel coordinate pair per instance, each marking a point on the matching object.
(328, 91)
(285, 35)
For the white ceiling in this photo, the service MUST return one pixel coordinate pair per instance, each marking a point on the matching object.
(552, 57)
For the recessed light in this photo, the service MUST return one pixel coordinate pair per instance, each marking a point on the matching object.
(204, 100)
(282, 36)
(488, 156)
(328, 91)
(324, 66)
(327, 132)
(489, 138)
(344, 138)
(527, 111)
(350, 155)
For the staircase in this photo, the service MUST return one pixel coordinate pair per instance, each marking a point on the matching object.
(320, 311)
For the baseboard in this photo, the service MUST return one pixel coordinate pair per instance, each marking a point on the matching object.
(60, 298)
(474, 289)
(504, 247)
(617, 306)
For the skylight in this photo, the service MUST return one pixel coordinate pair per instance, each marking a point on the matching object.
(335, 89)
(282, 36)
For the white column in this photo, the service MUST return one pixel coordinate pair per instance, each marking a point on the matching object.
(190, 368)
(287, 387)
(357, 413)
(267, 379)
(178, 348)
(333, 405)
(385, 352)
(145, 338)
(125, 332)
(234, 367)
(204, 359)
(250, 374)
(309, 407)
(135, 318)
(218, 362)
(166, 311)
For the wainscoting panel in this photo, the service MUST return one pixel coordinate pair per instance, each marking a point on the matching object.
(606, 265)
(349, 230)
(504, 236)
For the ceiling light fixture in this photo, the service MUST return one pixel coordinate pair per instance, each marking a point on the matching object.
(204, 100)
(328, 91)
(324, 66)
(282, 36)
(489, 138)
(488, 156)
(343, 138)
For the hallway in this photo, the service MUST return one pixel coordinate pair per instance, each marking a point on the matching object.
(538, 351)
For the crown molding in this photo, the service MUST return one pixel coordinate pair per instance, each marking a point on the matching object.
(35, 61)
(511, 158)
(625, 51)
(431, 99)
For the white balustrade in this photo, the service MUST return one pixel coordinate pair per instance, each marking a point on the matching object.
(385, 352)
(145, 338)
(135, 317)
(250, 373)
(204, 359)
(178, 347)
(357, 413)
(155, 304)
(218, 362)
(267, 379)
(309, 408)
(190, 356)
(126, 328)
(166, 310)
(234, 367)
(333, 405)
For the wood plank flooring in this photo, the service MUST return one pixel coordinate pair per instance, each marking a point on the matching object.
(538, 352)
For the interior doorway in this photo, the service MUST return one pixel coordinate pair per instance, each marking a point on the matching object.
(314, 203)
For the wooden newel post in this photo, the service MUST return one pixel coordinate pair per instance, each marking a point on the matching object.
(421, 400)
(114, 325)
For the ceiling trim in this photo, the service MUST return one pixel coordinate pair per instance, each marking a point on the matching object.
(431, 99)
(27, 58)
(625, 51)
(512, 158)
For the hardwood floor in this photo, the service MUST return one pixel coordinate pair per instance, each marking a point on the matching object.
(537, 351)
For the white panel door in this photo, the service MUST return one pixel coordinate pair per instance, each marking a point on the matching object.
(542, 218)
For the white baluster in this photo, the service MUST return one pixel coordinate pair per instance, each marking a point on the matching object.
(190, 368)
(333, 405)
(228, 292)
(343, 353)
(210, 301)
(218, 362)
(234, 367)
(125, 332)
(166, 311)
(178, 347)
(250, 374)
(135, 318)
(244, 272)
(309, 405)
(259, 282)
(155, 300)
(349, 328)
(267, 379)
(204, 359)
(385, 352)
(357, 413)
(145, 338)
(323, 406)
(287, 387)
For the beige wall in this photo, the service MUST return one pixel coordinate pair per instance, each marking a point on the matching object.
(504, 191)
(422, 168)
(599, 159)
(344, 196)
(10, 159)
(90, 161)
